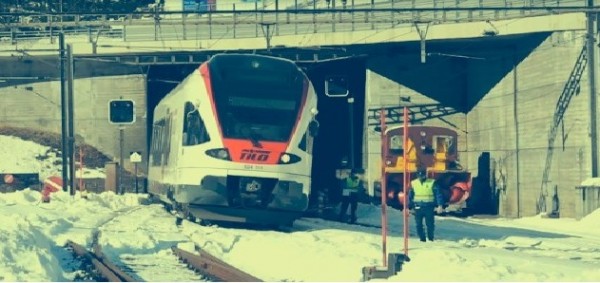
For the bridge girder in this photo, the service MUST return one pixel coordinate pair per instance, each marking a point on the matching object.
(394, 15)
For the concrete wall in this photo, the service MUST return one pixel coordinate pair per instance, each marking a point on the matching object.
(587, 200)
(496, 126)
(37, 106)
(518, 110)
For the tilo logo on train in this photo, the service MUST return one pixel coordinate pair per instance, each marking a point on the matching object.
(255, 155)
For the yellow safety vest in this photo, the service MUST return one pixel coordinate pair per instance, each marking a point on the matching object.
(352, 184)
(423, 191)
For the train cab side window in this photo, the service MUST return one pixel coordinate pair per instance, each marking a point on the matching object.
(194, 130)
(157, 144)
(444, 144)
(302, 144)
(396, 145)
(166, 140)
(306, 144)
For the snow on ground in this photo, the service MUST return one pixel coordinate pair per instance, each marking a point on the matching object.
(20, 156)
(32, 236)
(591, 182)
(32, 233)
(315, 250)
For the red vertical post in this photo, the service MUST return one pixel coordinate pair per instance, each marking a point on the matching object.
(406, 179)
(80, 169)
(383, 187)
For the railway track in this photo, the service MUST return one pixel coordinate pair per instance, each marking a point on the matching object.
(205, 266)
(212, 267)
(101, 268)
(160, 263)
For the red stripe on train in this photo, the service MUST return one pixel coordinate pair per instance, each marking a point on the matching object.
(206, 76)
(243, 151)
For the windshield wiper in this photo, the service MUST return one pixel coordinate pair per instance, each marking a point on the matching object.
(246, 132)
(254, 138)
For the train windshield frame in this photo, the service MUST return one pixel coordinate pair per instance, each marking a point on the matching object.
(256, 97)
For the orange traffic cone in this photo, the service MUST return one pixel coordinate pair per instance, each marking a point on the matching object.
(51, 184)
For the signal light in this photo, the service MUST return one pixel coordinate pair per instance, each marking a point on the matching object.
(121, 111)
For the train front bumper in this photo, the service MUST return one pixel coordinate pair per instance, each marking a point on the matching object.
(239, 189)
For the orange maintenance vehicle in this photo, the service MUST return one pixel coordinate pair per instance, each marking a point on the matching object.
(432, 148)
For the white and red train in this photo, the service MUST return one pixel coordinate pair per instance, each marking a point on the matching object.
(233, 141)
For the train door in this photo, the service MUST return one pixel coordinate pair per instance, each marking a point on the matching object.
(175, 134)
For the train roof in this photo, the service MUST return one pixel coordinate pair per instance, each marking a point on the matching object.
(239, 61)
(438, 129)
(238, 56)
(237, 69)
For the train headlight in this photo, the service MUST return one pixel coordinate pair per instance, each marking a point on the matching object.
(288, 158)
(219, 153)
(222, 154)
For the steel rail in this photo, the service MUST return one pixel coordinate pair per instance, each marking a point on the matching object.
(213, 267)
(105, 271)
(124, 277)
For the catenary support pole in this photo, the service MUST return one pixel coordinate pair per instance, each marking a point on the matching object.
(517, 136)
(71, 119)
(592, 83)
(406, 181)
(63, 111)
(383, 188)
(351, 130)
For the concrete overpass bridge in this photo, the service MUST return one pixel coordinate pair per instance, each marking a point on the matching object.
(503, 67)
(454, 32)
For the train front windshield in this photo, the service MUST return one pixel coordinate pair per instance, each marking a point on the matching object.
(256, 98)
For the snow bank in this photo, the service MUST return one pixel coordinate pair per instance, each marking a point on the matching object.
(21, 156)
(592, 219)
(591, 182)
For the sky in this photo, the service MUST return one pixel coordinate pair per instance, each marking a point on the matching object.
(140, 234)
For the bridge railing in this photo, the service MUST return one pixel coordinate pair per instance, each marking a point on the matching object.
(297, 17)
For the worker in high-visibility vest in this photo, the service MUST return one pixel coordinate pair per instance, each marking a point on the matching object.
(425, 198)
(351, 187)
